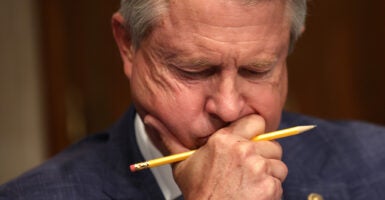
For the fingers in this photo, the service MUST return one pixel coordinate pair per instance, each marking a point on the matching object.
(268, 149)
(237, 169)
(269, 184)
(270, 175)
(277, 169)
(251, 169)
(169, 142)
(268, 153)
(248, 127)
(270, 167)
(262, 157)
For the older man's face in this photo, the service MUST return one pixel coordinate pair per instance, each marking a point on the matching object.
(210, 63)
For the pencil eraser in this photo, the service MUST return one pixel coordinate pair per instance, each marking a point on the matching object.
(132, 168)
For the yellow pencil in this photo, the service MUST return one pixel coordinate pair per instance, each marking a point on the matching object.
(182, 156)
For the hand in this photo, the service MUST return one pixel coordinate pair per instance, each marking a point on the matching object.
(229, 166)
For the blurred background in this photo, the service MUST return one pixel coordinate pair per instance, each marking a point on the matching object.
(61, 76)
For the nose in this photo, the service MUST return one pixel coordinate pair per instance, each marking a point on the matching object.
(226, 100)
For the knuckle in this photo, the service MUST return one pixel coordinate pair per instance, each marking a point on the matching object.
(278, 146)
(261, 166)
(273, 187)
(214, 140)
(275, 147)
(285, 171)
(225, 131)
(218, 142)
(241, 149)
(257, 166)
(279, 149)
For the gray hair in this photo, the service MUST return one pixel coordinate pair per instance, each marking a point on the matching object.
(141, 16)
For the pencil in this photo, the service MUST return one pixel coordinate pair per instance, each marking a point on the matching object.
(182, 156)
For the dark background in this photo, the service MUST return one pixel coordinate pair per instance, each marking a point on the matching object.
(335, 72)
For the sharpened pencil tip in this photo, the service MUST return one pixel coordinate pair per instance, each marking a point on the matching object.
(305, 128)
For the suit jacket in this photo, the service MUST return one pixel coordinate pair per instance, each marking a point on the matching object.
(339, 160)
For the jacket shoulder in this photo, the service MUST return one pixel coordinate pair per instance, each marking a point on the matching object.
(340, 159)
(68, 175)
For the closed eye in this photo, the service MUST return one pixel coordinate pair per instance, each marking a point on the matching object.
(253, 73)
(194, 74)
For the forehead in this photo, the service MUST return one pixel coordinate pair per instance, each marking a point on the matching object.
(229, 13)
(215, 24)
(226, 17)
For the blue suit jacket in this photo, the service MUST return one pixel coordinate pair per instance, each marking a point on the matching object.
(339, 160)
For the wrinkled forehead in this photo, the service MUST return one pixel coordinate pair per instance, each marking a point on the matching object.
(244, 2)
(227, 11)
(228, 28)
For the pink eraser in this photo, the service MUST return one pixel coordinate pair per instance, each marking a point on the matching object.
(132, 168)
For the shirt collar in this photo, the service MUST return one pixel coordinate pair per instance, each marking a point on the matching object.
(162, 174)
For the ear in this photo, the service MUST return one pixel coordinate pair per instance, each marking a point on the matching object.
(123, 40)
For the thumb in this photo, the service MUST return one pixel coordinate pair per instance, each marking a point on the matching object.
(248, 126)
(168, 143)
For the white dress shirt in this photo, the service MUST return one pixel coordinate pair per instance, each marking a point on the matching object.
(162, 174)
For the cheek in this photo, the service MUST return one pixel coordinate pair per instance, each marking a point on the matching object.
(152, 92)
(179, 111)
(150, 83)
(279, 99)
(159, 93)
(268, 105)
(269, 98)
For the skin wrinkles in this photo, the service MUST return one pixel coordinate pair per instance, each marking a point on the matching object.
(183, 62)
(172, 88)
(203, 61)
(201, 106)
(163, 50)
(206, 27)
(211, 80)
(181, 65)
(207, 14)
(153, 79)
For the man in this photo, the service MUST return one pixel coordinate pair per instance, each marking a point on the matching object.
(209, 75)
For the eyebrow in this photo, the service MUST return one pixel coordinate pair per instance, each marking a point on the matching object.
(263, 63)
(193, 62)
(170, 57)
(199, 62)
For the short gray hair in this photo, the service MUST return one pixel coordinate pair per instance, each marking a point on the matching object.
(141, 16)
